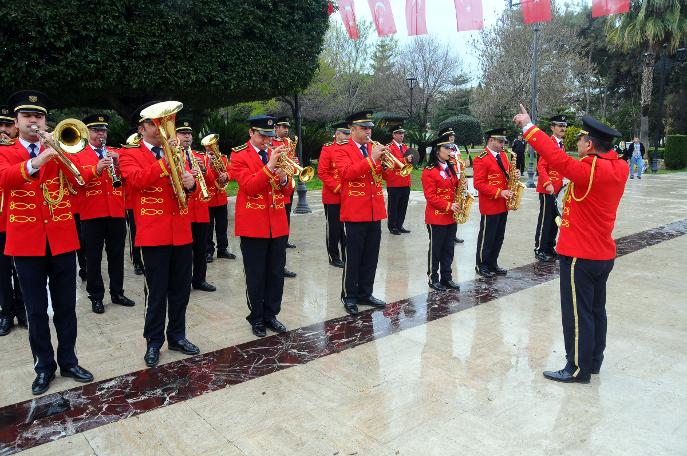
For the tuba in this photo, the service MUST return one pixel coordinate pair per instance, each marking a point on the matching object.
(134, 139)
(514, 185)
(463, 198)
(69, 137)
(289, 166)
(163, 115)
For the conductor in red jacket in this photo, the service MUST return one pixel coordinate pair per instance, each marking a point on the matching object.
(549, 183)
(261, 223)
(586, 246)
(362, 210)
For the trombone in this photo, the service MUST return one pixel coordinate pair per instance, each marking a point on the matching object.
(69, 137)
(389, 161)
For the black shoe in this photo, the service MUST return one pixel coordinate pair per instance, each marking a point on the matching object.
(209, 258)
(564, 376)
(259, 330)
(152, 356)
(97, 306)
(138, 269)
(458, 240)
(372, 301)
(436, 286)
(450, 284)
(596, 366)
(184, 346)
(394, 231)
(351, 305)
(403, 230)
(78, 373)
(275, 325)
(289, 274)
(337, 263)
(498, 270)
(290, 245)
(639, 177)
(21, 321)
(42, 382)
(6, 324)
(484, 271)
(83, 274)
(225, 254)
(122, 300)
(204, 286)
(543, 257)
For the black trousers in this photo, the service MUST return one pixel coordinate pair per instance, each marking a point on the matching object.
(583, 311)
(520, 161)
(59, 273)
(287, 207)
(335, 236)
(263, 263)
(111, 233)
(219, 224)
(545, 236)
(200, 246)
(11, 299)
(167, 289)
(134, 252)
(492, 229)
(362, 254)
(81, 253)
(397, 206)
(440, 252)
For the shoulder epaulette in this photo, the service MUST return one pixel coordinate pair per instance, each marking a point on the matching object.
(8, 143)
(388, 145)
(327, 144)
(239, 148)
(429, 167)
(129, 146)
(482, 155)
(341, 143)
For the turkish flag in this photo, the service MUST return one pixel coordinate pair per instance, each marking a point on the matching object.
(347, 10)
(469, 15)
(383, 17)
(536, 11)
(606, 7)
(415, 17)
(330, 8)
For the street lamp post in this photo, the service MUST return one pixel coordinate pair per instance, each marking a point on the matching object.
(301, 189)
(664, 64)
(412, 83)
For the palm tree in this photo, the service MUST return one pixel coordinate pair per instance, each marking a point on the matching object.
(649, 25)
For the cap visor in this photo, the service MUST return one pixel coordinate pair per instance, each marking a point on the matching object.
(270, 133)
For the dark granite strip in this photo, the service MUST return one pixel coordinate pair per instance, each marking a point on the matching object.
(31, 423)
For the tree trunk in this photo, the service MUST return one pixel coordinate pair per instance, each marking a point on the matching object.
(647, 85)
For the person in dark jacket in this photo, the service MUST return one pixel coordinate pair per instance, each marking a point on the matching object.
(518, 147)
(636, 153)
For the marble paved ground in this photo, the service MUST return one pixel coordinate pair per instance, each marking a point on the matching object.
(469, 381)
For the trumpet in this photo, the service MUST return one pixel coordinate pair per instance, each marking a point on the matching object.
(211, 143)
(163, 115)
(116, 181)
(69, 137)
(290, 167)
(390, 161)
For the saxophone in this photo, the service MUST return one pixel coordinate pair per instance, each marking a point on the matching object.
(463, 198)
(514, 185)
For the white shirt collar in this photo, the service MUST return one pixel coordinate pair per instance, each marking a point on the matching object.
(26, 144)
(255, 148)
(494, 154)
(399, 145)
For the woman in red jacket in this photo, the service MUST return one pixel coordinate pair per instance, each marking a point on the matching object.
(439, 182)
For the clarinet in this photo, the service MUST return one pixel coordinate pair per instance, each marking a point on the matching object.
(116, 181)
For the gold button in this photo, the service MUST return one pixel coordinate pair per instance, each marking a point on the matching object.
(45, 221)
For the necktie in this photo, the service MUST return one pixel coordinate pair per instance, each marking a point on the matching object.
(99, 151)
(363, 149)
(158, 152)
(32, 152)
(500, 163)
(263, 156)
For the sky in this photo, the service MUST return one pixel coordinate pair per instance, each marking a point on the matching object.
(441, 23)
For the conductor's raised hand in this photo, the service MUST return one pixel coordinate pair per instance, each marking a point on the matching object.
(522, 118)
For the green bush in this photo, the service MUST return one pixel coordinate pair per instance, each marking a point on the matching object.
(467, 129)
(570, 138)
(675, 154)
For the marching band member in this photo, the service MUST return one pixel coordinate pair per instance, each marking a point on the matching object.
(397, 186)
(281, 129)
(362, 210)
(490, 170)
(163, 231)
(11, 301)
(331, 195)
(549, 183)
(439, 184)
(102, 217)
(219, 217)
(448, 134)
(42, 238)
(261, 223)
(198, 210)
(585, 245)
